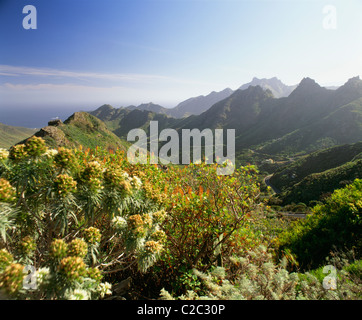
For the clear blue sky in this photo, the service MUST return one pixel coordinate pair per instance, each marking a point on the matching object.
(89, 52)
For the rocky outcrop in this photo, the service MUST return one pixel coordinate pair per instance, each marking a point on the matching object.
(55, 122)
(54, 133)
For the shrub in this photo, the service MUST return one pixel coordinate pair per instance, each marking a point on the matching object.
(256, 277)
(335, 224)
(49, 199)
(207, 218)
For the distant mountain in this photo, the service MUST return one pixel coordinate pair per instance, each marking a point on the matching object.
(197, 105)
(10, 135)
(120, 121)
(239, 111)
(191, 106)
(106, 112)
(278, 88)
(150, 107)
(80, 129)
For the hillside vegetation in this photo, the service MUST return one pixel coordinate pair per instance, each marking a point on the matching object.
(315, 176)
(90, 221)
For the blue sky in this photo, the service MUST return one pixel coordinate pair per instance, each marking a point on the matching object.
(85, 53)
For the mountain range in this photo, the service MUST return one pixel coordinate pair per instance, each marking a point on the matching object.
(195, 105)
(299, 131)
(199, 104)
(310, 118)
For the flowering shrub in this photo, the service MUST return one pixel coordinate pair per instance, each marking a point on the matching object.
(207, 217)
(17, 152)
(78, 215)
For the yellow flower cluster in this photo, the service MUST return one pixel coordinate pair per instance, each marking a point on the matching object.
(11, 280)
(58, 249)
(159, 216)
(64, 158)
(27, 245)
(17, 152)
(95, 274)
(77, 248)
(72, 268)
(5, 259)
(147, 220)
(153, 247)
(64, 184)
(159, 235)
(136, 224)
(126, 187)
(93, 170)
(115, 176)
(35, 146)
(7, 192)
(92, 235)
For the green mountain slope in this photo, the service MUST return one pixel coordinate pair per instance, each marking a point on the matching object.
(10, 135)
(321, 172)
(81, 129)
(343, 125)
(316, 162)
(240, 111)
(317, 186)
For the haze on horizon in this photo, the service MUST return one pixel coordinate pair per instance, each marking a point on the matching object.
(87, 53)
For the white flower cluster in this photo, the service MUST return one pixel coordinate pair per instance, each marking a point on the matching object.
(136, 182)
(4, 154)
(119, 223)
(125, 175)
(96, 165)
(104, 289)
(43, 276)
(77, 294)
(51, 153)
